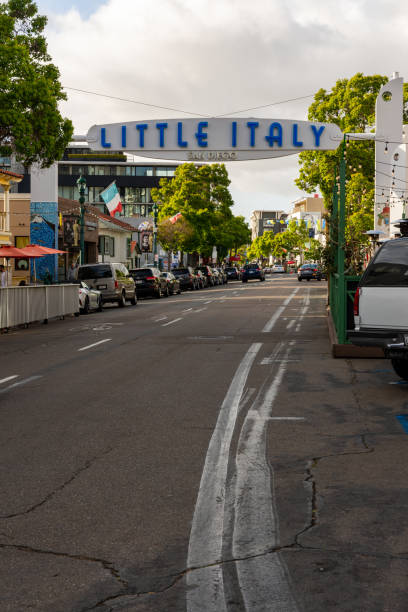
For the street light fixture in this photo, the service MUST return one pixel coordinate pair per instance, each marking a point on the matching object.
(81, 183)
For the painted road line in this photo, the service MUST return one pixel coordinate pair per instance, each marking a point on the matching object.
(20, 383)
(290, 324)
(85, 348)
(306, 302)
(262, 578)
(4, 380)
(200, 310)
(270, 324)
(205, 589)
(208, 302)
(186, 309)
(160, 319)
(171, 322)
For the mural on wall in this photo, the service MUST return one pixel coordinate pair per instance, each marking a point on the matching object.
(44, 231)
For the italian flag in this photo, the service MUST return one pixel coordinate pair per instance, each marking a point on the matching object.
(175, 217)
(111, 197)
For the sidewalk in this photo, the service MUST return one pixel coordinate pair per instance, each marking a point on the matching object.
(341, 477)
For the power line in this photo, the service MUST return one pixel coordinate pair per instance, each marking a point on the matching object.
(245, 110)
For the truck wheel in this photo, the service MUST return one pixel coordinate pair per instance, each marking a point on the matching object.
(400, 367)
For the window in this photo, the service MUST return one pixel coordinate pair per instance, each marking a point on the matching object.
(67, 191)
(389, 267)
(92, 272)
(144, 171)
(94, 194)
(128, 253)
(165, 171)
(64, 169)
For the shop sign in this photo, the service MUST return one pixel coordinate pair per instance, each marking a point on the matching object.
(215, 140)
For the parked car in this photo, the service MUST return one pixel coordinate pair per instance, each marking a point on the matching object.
(89, 299)
(252, 271)
(223, 275)
(267, 270)
(111, 279)
(201, 279)
(173, 283)
(216, 276)
(309, 271)
(278, 269)
(233, 273)
(207, 271)
(187, 278)
(149, 282)
(380, 305)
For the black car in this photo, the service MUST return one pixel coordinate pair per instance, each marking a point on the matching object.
(172, 282)
(148, 281)
(252, 272)
(233, 273)
(186, 278)
(309, 272)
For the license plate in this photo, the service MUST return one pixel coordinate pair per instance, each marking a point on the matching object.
(139, 282)
(102, 287)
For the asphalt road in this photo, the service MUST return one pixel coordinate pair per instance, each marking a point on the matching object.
(204, 453)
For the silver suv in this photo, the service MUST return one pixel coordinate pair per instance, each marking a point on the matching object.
(112, 280)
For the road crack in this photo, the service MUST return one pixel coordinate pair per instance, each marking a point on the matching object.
(47, 498)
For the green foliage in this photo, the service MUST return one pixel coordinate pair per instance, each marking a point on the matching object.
(202, 196)
(315, 251)
(30, 123)
(292, 240)
(351, 105)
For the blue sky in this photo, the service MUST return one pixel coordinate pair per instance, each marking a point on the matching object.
(84, 7)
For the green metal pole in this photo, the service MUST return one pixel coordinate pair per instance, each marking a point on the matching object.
(342, 296)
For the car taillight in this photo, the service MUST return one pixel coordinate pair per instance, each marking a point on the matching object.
(116, 284)
(190, 276)
(356, 301)
(150, 277)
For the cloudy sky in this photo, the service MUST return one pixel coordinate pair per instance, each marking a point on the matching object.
(220, 56)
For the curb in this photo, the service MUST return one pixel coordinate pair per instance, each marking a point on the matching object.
(350, 351)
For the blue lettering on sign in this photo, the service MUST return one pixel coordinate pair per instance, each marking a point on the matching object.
(234, 134)
(200, 135)
(141, 127)
(123, 135)
(317, 133)
(180, 141)
(161, 127)
(272, 137)
(252, 127)
(104, 144)
(295, 141)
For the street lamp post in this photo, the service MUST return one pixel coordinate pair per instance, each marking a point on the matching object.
(155, 214)
(81, 182)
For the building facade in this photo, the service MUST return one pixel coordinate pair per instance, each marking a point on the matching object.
(265, 221)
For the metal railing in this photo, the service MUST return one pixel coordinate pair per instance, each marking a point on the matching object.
(23, 305)
(342, 290)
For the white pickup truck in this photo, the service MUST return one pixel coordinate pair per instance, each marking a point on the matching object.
(381, 304)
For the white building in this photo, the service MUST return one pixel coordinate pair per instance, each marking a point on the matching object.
(115, 238)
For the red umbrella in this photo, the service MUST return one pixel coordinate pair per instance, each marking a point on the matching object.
(43, 250)
(10, 251)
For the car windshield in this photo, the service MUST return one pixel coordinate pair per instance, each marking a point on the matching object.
(230, 269)
(251, 267)
(181, 271)
(92, 272)
(142, 273)
(202, 269)
(389, 267)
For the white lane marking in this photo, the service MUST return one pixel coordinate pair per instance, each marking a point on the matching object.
(290, 324)
(208, 302)
(19, 383)
(171, 322)
(304, 310)
(205, 585)
(269, 325)
(85, 348)
(3, 380)
(186, 309)
(270, 360)
(200, 309)
(254, 414)
(160, 319)
(263, 580)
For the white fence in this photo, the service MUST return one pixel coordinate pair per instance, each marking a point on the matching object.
(23, 305)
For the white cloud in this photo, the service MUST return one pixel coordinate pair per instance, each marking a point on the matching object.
(215, 57)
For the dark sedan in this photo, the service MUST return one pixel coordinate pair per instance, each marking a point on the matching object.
(172, 282)
(233, 273)
(309, 272)
(187, 278)
(148, 281)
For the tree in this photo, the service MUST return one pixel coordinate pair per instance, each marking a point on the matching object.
(201, 195)
(31, 126)
(351, 105)
(174, 236)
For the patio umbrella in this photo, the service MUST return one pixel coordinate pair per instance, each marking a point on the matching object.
(43, 250)
(32, 252)
(10, 252)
